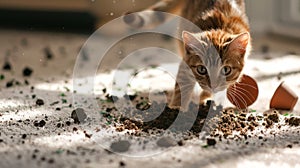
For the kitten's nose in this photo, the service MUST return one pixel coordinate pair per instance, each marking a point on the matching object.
(214, 86)
(214, 89)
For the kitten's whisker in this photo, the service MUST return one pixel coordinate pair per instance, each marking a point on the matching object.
(242, 101)
(249, 93)
(245, 95)
(245, 84)
(237, 95)
(233, 96)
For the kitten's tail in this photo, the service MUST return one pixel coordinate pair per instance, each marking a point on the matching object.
(150, 18)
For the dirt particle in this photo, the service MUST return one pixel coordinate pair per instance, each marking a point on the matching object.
(51, 161)
(43, 158)
(274, 117)
(7, 66)
(41, 123)
(39, 102)
(180, 143)
(122, 164)
(290, 146)
(78, 115)
(111, 98)
(54, 103)
(26, 82)
(130, 125)
(251, 118)
(120, 146)
(58, 125)
(48, 53)
(27, 72)
(87, 135)
(2, 77)
(251, 127)
(120, 128)
(143, 106)
(9, 83)
(24, 136)
(211, 142)
(269, 123)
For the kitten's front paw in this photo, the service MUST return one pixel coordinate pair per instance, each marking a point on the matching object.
(173, 106)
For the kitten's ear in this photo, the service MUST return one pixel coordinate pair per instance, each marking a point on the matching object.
(188, 38)
(191, 43)
(239, 44)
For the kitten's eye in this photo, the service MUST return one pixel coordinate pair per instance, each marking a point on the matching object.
(202, 70)
(226, 70)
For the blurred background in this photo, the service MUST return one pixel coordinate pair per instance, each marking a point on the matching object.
(275, 16)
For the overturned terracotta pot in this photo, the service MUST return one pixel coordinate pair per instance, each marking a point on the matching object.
(284, 98)
(244, 93)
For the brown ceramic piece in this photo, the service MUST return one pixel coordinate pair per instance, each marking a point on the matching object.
(284, 98)
(244, 93)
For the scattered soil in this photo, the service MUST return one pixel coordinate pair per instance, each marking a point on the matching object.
(221, 123)
(166, 117)
(274, 117)
(293, 121)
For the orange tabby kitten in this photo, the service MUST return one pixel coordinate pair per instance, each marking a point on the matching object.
(216, 55)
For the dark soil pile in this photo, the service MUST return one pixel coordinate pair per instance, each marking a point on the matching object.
(220, 121)
(133, 118)
(293, 121)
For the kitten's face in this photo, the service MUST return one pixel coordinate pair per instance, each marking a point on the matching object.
(216, 59)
